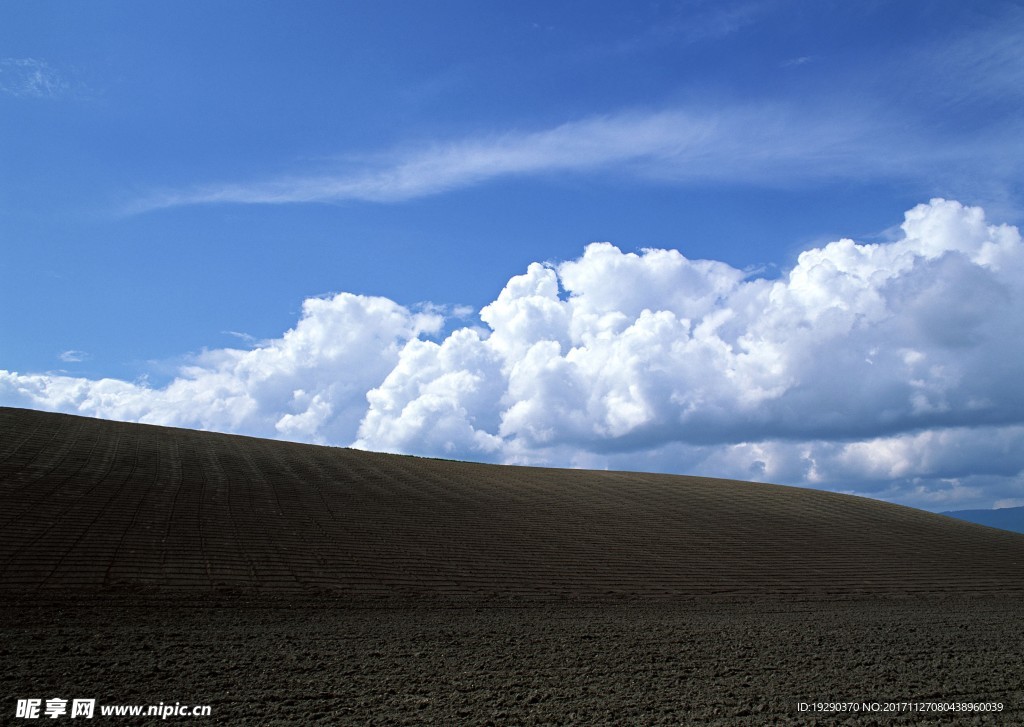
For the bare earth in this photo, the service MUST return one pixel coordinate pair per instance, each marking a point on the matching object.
(291, 584)
(261, 663)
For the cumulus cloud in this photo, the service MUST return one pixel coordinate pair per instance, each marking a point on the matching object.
(889, 369)
(621, 351)
(308, 385)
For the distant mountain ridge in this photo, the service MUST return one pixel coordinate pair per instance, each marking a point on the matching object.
(109, 506)
(1007, 518)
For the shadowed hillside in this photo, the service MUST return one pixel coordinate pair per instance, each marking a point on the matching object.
(86, 503)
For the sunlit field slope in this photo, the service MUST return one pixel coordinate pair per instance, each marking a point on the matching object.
(91, 504)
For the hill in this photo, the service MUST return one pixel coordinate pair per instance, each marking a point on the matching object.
(92, 504)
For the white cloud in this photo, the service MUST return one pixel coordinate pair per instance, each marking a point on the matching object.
(242, 336)
(886, 369)
(30, 77)
(798, 61)
(73, 356)
(983, 64)
(938, 115)
(310, 384)
(760, 144)
(651, 348)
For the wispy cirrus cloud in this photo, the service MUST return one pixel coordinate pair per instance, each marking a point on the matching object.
(31, 78)
(797, 61)
(983, 65)
(939, 115)
(73, 356)
(756, 144)
(695, 21)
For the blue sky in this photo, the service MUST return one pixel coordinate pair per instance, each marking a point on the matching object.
(180, 180)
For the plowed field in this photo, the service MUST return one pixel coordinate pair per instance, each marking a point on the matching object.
(291, 584)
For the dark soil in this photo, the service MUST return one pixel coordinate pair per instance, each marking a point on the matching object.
(257, 662)
(283, 583)
(88, 504)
